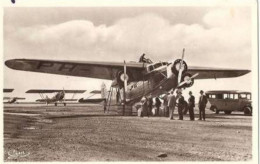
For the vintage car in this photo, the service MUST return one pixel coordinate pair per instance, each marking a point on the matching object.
(230, 100)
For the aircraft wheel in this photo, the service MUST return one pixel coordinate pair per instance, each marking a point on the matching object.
(55, 104)
(227, 112)
(64, 104)
(248, 111)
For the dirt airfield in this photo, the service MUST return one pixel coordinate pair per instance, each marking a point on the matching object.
(85, 133)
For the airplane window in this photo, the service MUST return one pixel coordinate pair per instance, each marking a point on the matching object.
(164, 63)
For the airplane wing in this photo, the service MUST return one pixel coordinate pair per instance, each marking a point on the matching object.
(53, 91)
(101, 70)
(17, 98)
(44, 100)
(96, 92)
(8, 90)
(97, 100)
(213, 73)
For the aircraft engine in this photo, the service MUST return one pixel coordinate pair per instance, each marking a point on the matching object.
(187, 78)
(176, 66)
(120, 78)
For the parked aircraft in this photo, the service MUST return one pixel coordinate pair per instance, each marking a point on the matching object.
(11, 100)
(138, 78)
(59, 96)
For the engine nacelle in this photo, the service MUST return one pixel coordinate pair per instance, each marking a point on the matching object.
(176, 67)
(189, 81)
(121, 76)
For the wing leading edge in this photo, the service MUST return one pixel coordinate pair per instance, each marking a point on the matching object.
(100, 70)
(214, 73)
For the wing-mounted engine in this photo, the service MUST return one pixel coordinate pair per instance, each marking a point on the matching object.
(120, 78)
(187, 78)
(176, 66)
(179, 68)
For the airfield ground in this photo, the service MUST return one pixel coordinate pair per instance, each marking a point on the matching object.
(85, 133)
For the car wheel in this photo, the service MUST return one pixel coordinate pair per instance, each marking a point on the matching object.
(247, 111)
(215, 109)
(228, 112)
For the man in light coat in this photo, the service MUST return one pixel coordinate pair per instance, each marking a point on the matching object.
(171, 104)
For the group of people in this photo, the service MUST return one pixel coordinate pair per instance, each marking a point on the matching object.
(172, 101)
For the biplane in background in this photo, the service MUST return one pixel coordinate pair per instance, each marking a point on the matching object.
(8, 90)
(11, 100)
(138, 78)
(59, 96)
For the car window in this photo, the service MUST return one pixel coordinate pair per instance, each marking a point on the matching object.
(248, 96)
(235, 96)
(219, 96)
(225, 96)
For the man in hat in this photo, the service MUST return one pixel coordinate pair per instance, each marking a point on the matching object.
(191, 106)
(181, 103)
(202, 104)
(171, 104)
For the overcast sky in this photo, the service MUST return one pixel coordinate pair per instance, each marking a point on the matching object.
(214, 37)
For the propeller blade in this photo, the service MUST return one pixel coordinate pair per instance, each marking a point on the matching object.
(125, 79)
(187, 81)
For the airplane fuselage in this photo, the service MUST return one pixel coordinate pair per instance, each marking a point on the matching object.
(156, 85)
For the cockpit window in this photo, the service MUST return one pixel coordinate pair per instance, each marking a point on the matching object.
(157, 65)
(150, 68)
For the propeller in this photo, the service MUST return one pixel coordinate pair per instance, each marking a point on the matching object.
(181, 68)
(187, 80)
(125, 77)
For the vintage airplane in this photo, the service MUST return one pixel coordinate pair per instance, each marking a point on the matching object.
(59, 97)
(11, 100)
(103, 96)
(8, 90)
(138, 78)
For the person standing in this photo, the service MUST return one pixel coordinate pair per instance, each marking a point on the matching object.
(165, 104)
(149, 105)
(202, 105)
(181, 103)
(171, 104)
(157, 105)
(191, 106)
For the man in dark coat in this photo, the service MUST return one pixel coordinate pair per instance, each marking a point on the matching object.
(150, 105)
(202, 105)
(181, 103)
(191, 106)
